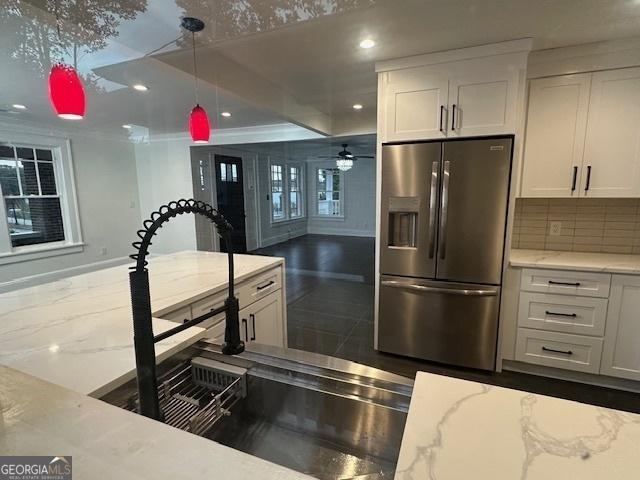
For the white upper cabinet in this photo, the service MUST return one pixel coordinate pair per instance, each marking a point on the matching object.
(556, 127)
(612, 150)
(466, 92)
(481, 98)
(583, 136)
(621, 353)
(416, 102)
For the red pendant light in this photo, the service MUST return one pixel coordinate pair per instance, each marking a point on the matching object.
(199, 125)
(66, 92)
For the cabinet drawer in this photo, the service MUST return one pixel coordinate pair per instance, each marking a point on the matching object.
(259, 286)
(584, 284)
(560, 350)
(179, 315)
(562, 313)
(206, 305)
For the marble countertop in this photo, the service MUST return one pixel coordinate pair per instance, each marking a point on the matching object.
(587, 262)
(458, 429)
(40, 418)
(77, 332)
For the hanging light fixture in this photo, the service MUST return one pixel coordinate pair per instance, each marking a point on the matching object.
(344, 164)
(66, 92)
(198, 119)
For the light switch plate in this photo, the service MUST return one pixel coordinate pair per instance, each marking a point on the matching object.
(555, 228)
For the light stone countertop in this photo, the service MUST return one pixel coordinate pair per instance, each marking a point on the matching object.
(78, 331)
(458, 429)
(586, 262)
(105, 442)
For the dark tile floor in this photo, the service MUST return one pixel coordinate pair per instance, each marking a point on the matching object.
(330, 296)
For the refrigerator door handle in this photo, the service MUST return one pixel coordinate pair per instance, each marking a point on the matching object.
(444, 206)
(451, 291)
(433, 198)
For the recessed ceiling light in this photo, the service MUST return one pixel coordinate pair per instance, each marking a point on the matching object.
(19, 106)
(141, 88)
(367, 43)
(357, 106)
(127, 126)
(226, 114)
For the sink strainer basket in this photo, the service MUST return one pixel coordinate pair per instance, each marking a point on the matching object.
(195, 395)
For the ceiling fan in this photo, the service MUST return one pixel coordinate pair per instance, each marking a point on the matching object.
(344, 158)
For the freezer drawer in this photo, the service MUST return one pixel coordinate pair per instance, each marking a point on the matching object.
(446, 322)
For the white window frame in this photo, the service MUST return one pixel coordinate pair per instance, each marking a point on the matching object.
(286, 191)
(65, 184)
(324, 166)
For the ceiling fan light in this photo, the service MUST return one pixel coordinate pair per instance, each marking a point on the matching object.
(344, 164)
(199, 125)
(66, 92)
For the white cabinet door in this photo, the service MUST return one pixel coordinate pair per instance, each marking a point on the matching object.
(261, 322)
(416, 102)
(480, 103)
(612, 149)
(554, 141)
(621, 353)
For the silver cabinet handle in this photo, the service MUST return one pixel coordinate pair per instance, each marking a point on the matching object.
(444, 207)
(450, 291)
(435, 166)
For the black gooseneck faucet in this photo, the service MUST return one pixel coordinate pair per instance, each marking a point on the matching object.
(143, 338)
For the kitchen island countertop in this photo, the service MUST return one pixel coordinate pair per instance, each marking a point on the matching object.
(105, 442)
(78, 331)
(457, 429)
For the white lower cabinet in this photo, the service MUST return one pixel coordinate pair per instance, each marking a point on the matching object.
(261, 322)
(621, 354)
(561, 350)
(262, 313)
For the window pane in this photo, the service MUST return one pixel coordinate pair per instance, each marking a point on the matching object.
(6, 151)
(276, 178)
(34, 220)
(28, 177)
(223, 172)
(25, 153)
(294, 204)
(9, 178)
(46, 155)
(234, 172)
(335, 195)
(277, 207)
(47, 178)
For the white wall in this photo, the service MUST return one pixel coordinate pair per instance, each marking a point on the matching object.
(106, 187)
(164, 174)
(359, 197)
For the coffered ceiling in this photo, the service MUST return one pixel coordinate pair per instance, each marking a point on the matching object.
(266, 62)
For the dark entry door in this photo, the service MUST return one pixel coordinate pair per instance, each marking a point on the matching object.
(230, 190)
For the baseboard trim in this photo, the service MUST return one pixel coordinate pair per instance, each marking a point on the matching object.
(47, 277)
(347, 232)
(267, 242)
(588, 378)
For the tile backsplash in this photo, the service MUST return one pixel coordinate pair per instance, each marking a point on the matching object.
(607, 225)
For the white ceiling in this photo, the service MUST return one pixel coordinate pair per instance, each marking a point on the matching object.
(284, 60)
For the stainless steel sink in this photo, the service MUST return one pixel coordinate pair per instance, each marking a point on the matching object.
(326, 417)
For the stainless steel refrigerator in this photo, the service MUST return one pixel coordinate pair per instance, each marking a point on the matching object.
(443, 218)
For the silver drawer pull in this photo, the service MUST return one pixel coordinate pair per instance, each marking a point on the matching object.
(451, 291)
(265, 286)
(564, 352)
(566, 284)
(557, 314)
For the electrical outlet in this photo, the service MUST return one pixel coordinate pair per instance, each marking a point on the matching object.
(103, 251)
(555, 228)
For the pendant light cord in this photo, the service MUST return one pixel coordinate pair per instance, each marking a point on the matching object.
(195, 66)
